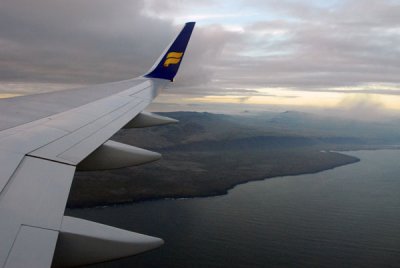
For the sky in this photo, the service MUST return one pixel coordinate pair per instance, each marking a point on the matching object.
(334, 56)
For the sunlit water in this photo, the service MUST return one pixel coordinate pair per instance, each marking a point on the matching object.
(345, 217)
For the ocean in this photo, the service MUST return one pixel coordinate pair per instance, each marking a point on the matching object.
(344, 217)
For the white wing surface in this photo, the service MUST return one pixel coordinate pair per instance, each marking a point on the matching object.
(44, 138)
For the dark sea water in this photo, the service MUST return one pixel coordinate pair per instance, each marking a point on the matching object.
(345, 217)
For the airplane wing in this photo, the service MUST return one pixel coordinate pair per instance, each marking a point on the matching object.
(45, 137)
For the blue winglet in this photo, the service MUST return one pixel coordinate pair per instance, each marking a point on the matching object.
(168, 64)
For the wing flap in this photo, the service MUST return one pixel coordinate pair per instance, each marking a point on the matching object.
(35, 196)
(33, 247)
(10, 162)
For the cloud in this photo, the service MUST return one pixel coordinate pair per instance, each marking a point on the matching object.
(390, 92)
(362, 107)
(83, 42)
(207, 90)
(202, 59)
(300, 45)
(328, 47)
(51, 42)
(62, 41)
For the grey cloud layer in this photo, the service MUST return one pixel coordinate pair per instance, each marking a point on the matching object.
(353, 43)
(62, 41)
(309, 47)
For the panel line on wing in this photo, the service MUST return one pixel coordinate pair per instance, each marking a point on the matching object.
(51, 160)
(104, 135)
(12, 246)
(137, 93)
(18, 233)
(6, 177)
(76, 110)
(55, 149)
(33, 247)
(106, 124)
(80, 128)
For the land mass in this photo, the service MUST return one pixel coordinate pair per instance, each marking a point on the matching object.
(208, 154)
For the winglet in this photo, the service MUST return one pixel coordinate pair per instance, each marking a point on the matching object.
(168, 64)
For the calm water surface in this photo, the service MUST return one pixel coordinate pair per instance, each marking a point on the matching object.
(345, 217)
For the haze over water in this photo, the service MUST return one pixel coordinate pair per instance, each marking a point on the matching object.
(345, 217)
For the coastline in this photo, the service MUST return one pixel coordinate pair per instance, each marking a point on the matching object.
(86, 197)
(209, 154)
(322, 205)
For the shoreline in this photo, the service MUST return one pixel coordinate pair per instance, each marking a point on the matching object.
(212, 192)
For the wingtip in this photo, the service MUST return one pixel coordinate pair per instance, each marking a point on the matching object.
(190, 24)
(167, 65)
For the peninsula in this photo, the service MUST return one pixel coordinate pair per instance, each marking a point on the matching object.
(208, 154)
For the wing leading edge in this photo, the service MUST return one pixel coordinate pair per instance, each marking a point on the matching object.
(40, 149)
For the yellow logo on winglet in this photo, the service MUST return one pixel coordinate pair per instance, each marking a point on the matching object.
(173, 58)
